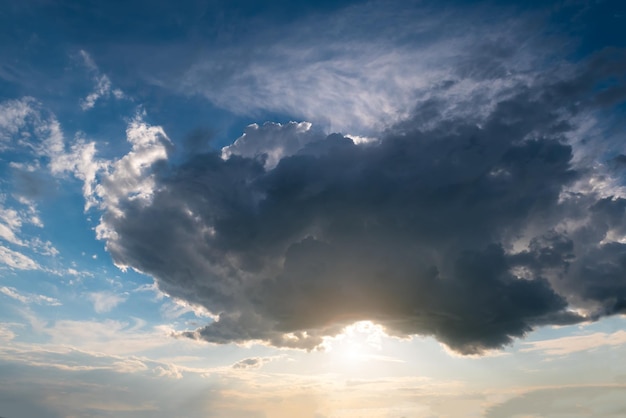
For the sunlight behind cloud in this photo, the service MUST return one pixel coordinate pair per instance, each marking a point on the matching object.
(357, 345)
(313, 209)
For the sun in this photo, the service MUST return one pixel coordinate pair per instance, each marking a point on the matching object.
(350, 353)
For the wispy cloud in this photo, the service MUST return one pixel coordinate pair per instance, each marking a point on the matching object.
(103, 87)
(6, 333)
(252, 363)
(105, 301)
(372, 78)
(118, 338)
(13, 218)
(575, 343)
(28, 298)
(16, 260)
(13, 117)
(10, 224)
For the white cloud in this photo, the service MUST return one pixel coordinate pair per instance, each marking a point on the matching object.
(12, 293)
(169, 370)
(7, 234)
(105, 301)
(103, 87)
(11, 221)
(13, 117)
(43, 247)
(17, 260)
(81, 161)
(27, 127)
(273, 141)
(131, 177)
(366, 81)
(88, 61)
(73, 359)
(115, 338)
(175, 308)
(28, 298)
(53, 143)
(6, 333)
(153, 287)
(31, 214)
(105, 182)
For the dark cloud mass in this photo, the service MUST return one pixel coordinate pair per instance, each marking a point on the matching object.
(473, 228)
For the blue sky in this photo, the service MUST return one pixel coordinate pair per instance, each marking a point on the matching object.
(312, 209)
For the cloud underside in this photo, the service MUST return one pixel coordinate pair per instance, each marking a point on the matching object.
(474, 228)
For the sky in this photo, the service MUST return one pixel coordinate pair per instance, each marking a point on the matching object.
(241, 209)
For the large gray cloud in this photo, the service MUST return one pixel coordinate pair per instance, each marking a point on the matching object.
(472, 228)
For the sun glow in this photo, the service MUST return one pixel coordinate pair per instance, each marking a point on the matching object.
(357, 344)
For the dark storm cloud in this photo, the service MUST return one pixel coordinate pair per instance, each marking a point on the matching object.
(454, 227)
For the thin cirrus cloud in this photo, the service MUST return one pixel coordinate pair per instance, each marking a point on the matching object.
(30, 131)
(103, 88)
(28, 298)
(389, 59)
(105, 301)
(576, 343)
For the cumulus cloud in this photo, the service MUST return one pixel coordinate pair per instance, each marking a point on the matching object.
(132, 176)
(106, 181)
